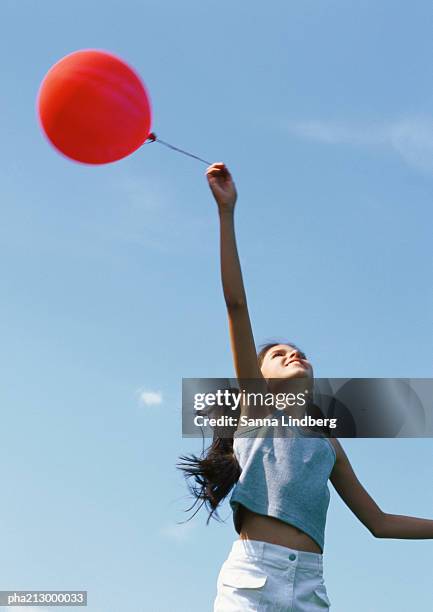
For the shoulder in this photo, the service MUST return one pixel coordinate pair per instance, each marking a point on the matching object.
(335, 443)
(342, 462)
(338, 449)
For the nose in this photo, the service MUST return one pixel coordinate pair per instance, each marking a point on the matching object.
(292, 355)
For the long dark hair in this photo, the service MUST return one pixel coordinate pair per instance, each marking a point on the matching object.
(211, 476)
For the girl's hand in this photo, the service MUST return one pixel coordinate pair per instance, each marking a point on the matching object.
(222, 186)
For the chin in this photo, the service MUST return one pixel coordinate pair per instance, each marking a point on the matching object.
(299, 372)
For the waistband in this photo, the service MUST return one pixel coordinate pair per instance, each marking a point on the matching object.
(276, 554)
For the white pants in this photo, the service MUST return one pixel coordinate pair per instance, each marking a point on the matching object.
(262, 577)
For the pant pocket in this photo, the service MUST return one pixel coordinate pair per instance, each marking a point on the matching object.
(322, 597)
(243, 578)
(240, 588)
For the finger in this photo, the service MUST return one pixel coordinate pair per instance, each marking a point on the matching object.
(216, 174)
(216, 171)
(219, 165)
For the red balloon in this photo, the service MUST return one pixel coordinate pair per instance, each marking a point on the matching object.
(93, 107)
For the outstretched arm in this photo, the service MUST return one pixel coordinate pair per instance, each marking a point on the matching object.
(380, 524)
(241, 335)
(224, 191)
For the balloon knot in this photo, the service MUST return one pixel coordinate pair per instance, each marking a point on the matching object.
(151, 137)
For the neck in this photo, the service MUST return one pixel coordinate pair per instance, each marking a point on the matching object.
(293, 395)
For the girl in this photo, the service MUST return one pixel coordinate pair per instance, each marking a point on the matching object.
(281, 495)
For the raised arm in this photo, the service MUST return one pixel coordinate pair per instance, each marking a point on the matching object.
(241, 335)
(379, 523)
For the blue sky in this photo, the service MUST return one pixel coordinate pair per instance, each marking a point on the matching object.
(111, 289)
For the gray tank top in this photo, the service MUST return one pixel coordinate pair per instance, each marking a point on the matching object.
(284, 477)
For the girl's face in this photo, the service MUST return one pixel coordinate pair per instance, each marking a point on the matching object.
(284, 361)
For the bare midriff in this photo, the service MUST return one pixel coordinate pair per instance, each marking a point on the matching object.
(269, 529)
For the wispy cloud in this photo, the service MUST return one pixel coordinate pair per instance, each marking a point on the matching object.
(178, 533)
(139, 212)
(152, 212)
(410, 138)
(143, 194)
(149, 398)
(332, 132)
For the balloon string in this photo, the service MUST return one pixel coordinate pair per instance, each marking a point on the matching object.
(152, 138)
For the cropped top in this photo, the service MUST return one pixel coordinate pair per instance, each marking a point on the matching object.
(284, 477)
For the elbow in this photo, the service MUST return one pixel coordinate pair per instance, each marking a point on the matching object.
(234, 304)
(377, 527)
(376, 533)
